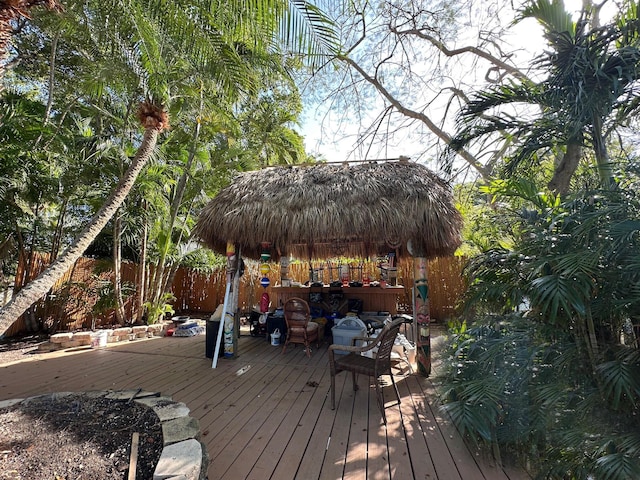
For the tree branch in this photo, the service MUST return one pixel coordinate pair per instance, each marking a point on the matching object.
(468, 157)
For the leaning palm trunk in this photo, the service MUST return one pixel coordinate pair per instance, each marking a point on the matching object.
(43, 283)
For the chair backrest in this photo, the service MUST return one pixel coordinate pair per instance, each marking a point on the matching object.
(296, 313)
(386, 339)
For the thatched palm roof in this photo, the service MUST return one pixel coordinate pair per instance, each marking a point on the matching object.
(329, 210)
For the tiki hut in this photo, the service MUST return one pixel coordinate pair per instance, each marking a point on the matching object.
(330, 210)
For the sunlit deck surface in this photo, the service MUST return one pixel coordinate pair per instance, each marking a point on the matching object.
(274, 421)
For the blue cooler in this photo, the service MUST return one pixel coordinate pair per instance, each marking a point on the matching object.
(346, 330)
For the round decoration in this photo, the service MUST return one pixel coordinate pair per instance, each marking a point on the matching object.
(265, 282)
(265, 268)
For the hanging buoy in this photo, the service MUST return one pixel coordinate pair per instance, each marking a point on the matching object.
(265, 268)
(265, 282)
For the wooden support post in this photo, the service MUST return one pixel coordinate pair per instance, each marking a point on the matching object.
(421, 313)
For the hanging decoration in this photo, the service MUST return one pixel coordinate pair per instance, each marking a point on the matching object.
(284, 271)
(265, 268)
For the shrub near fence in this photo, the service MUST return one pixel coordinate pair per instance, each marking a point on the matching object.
(69, 305)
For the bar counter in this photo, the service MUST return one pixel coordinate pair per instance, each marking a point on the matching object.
(374, 299)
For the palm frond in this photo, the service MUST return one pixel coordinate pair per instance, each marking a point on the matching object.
(621, 378)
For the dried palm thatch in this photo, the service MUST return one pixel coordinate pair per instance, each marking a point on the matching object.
(328, 210)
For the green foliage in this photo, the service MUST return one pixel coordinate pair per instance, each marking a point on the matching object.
(573, 260)
(554, 386)
(590, 78)
(511, 382)
(157, 310)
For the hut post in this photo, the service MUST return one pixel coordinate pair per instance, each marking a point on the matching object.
(235, 295)
(224, 333)
(422, 319)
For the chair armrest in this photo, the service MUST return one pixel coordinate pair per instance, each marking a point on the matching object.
(351, 348)
(364, 339)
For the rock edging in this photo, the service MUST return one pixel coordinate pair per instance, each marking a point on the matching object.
(61, 341)
(184, 456)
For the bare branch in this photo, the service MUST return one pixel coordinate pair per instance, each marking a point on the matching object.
(407, 112)
(508, 69)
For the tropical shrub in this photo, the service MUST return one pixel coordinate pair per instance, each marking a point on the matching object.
(559, 383)
(529, 395)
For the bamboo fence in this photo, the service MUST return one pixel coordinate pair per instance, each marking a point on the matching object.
(70, 303)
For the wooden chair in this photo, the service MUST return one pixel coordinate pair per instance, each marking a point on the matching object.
(299, 327)
(355, 362)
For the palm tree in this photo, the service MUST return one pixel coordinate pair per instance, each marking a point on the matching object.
(589, 91)
(185, 38)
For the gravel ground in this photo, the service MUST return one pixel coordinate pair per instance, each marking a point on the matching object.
(21, 348)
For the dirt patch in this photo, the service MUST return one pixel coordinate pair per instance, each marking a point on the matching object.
(21, 348)
(75, 437)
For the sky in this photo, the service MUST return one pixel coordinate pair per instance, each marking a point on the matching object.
(331, 138)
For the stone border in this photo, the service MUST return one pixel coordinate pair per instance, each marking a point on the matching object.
(61, 341)
(184, 456)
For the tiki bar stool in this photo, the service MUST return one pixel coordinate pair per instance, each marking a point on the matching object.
(300, 329)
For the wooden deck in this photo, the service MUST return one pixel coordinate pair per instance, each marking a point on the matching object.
(274, 420)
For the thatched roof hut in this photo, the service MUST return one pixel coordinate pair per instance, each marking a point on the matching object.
(328, 210)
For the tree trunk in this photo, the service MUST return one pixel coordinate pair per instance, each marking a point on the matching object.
(605, 170)
(57, 234)
(41, 285)
(117, 269)
(141, 277)
(566, 168)
(164, 271)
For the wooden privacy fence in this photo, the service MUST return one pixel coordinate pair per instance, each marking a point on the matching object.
(71, 303)
(203, 293)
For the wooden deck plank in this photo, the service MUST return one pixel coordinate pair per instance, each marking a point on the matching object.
(312, 460)
(355, 467)
(483, 468)
(230, 414)
(308, 436)
(443, 462)
(378, 457)
(271, 421)
(338, 440)
(419, 453)
(273, 434)
(296, 417)
(249, 438)
(397, 445)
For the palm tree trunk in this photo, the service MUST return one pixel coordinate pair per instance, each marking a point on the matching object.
(141, 278)
(41, 285)
(117, 269)
(566, 168)
(605, 169)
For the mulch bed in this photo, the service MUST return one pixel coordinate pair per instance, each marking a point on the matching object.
(77, 436)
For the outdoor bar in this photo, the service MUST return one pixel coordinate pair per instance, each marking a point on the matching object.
(313, 212)
(373, 298)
